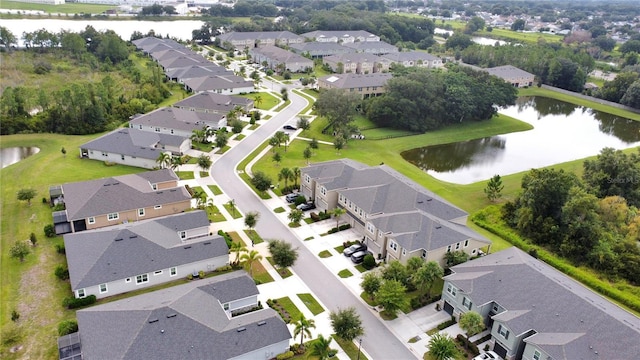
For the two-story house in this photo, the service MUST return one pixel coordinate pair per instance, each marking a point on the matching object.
(341, 36)
(356, 63)
(220, 84)
(105, 202)
(241, 40)
(177, 121)
(535, 312)
(366, 85)
(127, 257)
(318, 50)
(372, 47)
(414, 58)
(276, 57)
(209, 102)
(217, 318)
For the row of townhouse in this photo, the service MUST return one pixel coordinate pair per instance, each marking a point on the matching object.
(361, 63)
(366, 85)
(398, 219)
(240, 40)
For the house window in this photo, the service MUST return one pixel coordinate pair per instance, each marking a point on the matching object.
(307, 178)
(466, 303)
(158, 272)
(449, 248)
(103, 288)
(225, 306)
(104, 154)
(172, 131)
(393, 245)
(127, 280)
(122, 157)
(91, 220)
(503, 332)
(141, 279)
(536, 355)
(113, 216)
(157, 207)
(183, 234)
(141, 212)
(173, 271)
(466, 243)
(154, 186)
(424, 254)
(451, 289)
(157, 129)
(370, 228)
(457, 246)
(404, 251)
(340, 198)
(323, 190)
(81, 293)
(140, 126)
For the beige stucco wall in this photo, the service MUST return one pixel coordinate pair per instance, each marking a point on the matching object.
(132, 215)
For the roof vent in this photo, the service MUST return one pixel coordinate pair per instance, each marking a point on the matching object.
(420, 201)
(133, 236)
(106, 185)
(429, 199)
(153, 321)
(187, 247)
(438, 226)
(172, 315)
(173, 190)
(119, 239)
(207, 243)
(261, 323)
(241, 329)
(162, 331)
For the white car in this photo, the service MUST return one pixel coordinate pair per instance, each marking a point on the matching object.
(489, 355)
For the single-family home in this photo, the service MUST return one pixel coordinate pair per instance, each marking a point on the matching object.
(241, 40)
(177, 121)
(221, 84)
(535, 312)
(367, 85)
(414, 58)
(150, 44)
(511, 74)
(356, 63)
(398, 219)
(217, 318)
(181, 62)
(341, 36)
(132, 256)
(317, 50)
(194, 71)
(209, 102)
(105, 202)
(276, 57)
(372, 47)
(134, 147)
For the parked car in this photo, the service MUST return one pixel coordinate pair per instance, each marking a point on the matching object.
(306, 206)
(291, 198)
(489, 355)
(290, 127)
(358, 257)
(354, 249)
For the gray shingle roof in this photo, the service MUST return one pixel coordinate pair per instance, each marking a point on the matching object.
(179, 119)
(541, 298)
(354, 57)
(133, 142)
(102, 256)
(410, 56)
(120, 193)
(338, 33)
(320, 46)
(213, 101)
(147, 44)
(181, 322)
(350, 81)
(372, 46)
(182, 61)
(217, 82)
(194, 71)
(249, 35)
(278, 54)
(168, 54)
(508, 71)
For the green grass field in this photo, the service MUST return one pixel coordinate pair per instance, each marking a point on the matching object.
(268, 100)
(69, 8)
(311, 303)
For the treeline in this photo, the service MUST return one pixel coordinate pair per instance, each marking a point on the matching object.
(78, 106)
(624, 89)
(420, 100)
(592, 221)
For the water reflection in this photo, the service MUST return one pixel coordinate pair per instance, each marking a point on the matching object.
(562, 132)
(12, 155)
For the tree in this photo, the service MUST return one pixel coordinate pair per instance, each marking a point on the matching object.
(295, 216)
(19, 250)
(284, 93)
(472, 323)
(426, 275)
(396, 271)
(321, 347)
(454, 258)
(7, 38)
(176, 161)
(258, 100)
(475, 24)
(339, 107)
(283, 254)
(612, 173)
(285, 175)
(632, 95)
(307, 154)
(33, 239)
(313, 144)
(442, 347)
(303, 123)
(302, 327)
(346, 323)
(112, 47)
(27, 195)
(371, 283)
(518, 25)
(261, 181)
(204, 162)
(163, 160)
(494, 188)
(277, 158)
(296, 175)
(338, 143)
(250, 258)
(64, 152)
(251, 219)
(414, 263)
(222, 138)
(237, 247)
(337, 212)
(391, 296)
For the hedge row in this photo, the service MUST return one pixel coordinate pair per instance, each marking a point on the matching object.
(468, 344)
(73, 303)
(602, 287)
(339, 228)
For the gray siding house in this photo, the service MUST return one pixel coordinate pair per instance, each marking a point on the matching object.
(317, 50)
(177, 121)
(133, 256)
(220, 84)
(241, 40)
(275, 56)
(197, 320)
(535, 312)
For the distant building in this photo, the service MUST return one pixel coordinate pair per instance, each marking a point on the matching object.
(341, 36)
(372, 47)
(220, 84)
(511, 74)
(48, 2)
(414, 58)
(242, 40)
(317, 50)
(367, 85)
(357, 63)
(275, 56)
(209, 102)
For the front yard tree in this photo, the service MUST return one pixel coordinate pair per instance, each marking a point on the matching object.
(19, 250)
(26, 195)
(339, 107)
(251, 219)
(307, 154)
(396, 271)
(222, 138)
(346, 323)
(426, 275)
(455, 257)
(176, 161)
(64, 152)
(303, 327)
(277, 158)
(321, 347)
(337, 212)
(391, 296)
(442, 347)
(204, 162)
(250, 258)
(237, 247)
(471, 322)
(283, 253)
(163, 160)
(494, 188)
(371, 284)
(261, 181)
(295, 216)
(285, 175)
(303, 123)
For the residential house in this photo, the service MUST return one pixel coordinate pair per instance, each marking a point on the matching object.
(182, 62)
(535, 312)
(177, 121)
(511, 74)
(414, 58)
(356, 63)
(149, 45)
(221, 84)
(104, 202)
(341, 36)
(241, 40)
(398, 219)
(209, 102)
(317, 50)
(276, 57)
(366, 85)
(203, 319)
(195, 71)
(134, 147)
(372, 47)
(127, 257)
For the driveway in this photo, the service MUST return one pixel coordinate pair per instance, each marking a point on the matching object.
(378, 341)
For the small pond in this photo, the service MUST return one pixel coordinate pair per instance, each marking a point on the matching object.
(562, 132)
(12, 155)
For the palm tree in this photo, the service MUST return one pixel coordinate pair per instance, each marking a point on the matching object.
(176, 161)
(204, 162)
(442, 347)
(285, 175)
(426, 275)
(198, 135)
(320, 347)
(249, 258)
(296, 216)
(302, 328)
(296, 175)
(337, 212)
(237, 247)
(164, 159)
(257, 100)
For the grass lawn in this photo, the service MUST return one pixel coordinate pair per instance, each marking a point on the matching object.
(325, 254)
(39, 306)
(254, 126)
(233, 210)
(345, 273)
(223, 150)
(361, 268)
(260, 273)
(283, 105)
(279, 210)
(309, 238)
(214, 214)
(519, 37)
(351, 349)
(290, 307)
(215, 189)
(311, 303)
(192, 160)
(253, 235)
(339, 249)
(239, 137)
(204, 174)
(201, 147)
(284, 272)
(267, 102)
(68, 8)
(185, 175)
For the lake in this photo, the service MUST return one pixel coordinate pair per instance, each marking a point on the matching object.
(12, 155)
(562, 132)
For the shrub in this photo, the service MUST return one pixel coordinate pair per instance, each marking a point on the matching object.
(15, 315)
(369, 262)
(190, 277)
(344, 227)
(67, 327)
(33, 239)
(44, 200)
(59, 207)
(224, 268)
(447, 323)
(226, 236)
(62, 273)
(332, 230)
(73, 303)
(285, 356)
(324, 215)
(60, 249)
(49, 231)
(201, 274)
(468, 344)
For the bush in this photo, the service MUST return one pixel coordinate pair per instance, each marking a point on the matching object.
(62, 273)
(226, 236)
(33, 239)
(59, 207)
(224, 268)
(190, 277)
(344, 227)
(369, 262)
(60, 249)
(201, 274)
(447, 323)
(15, 316)
(333, 352)
(284, 356)
(67, 327)
(73, 303)
(324, 215)
(44, 200)
(49, 231)
(468, 344)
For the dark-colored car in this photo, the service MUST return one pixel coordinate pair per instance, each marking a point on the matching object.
(290, 127)
(292, 197)
(306, 206)
(358, 257)
(354, 249)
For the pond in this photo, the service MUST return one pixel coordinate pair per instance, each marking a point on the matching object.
(562, 132)
(12, 155)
